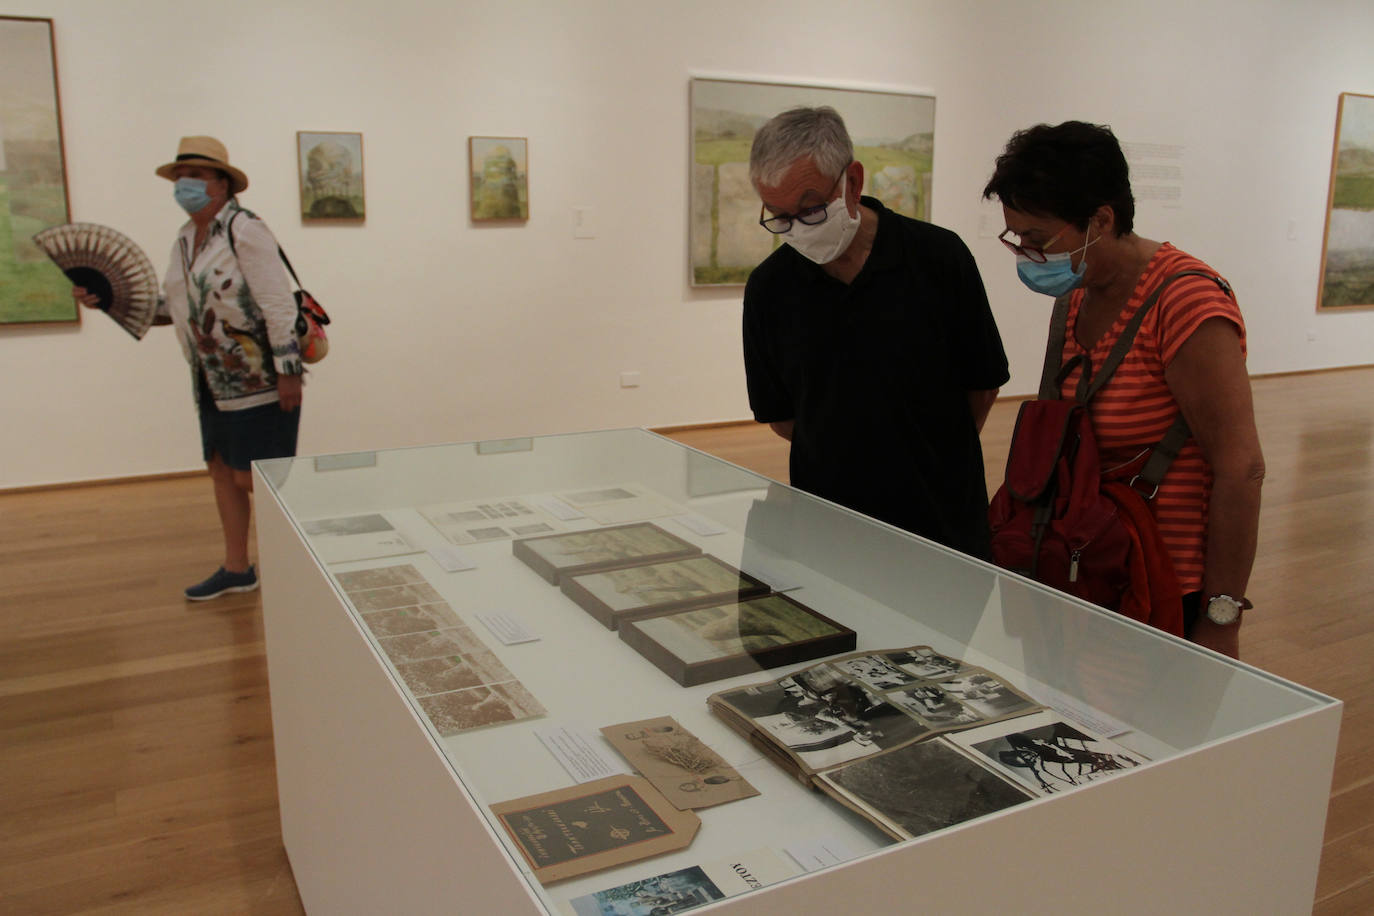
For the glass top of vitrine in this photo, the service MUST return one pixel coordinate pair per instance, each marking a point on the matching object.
(527, 593)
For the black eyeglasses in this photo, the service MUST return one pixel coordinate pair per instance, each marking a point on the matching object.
(1030, 252)
(811, 216)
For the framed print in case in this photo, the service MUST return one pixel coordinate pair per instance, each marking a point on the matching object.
(655, 588)
(709, 643)
(1347, 277)
(556, 555)
(331, 169)
(33, 177)
(499, 170)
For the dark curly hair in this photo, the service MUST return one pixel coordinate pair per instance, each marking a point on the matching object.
(1066, 171)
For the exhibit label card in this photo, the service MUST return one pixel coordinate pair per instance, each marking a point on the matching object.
(597, 825)
(583, 760)
(681, 890)
(685, 770)
(507, 629)
(814, 855)
(699, 525)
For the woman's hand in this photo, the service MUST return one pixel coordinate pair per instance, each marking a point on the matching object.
(289, 391)
(85, 297)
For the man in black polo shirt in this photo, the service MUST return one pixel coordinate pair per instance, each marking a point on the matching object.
(868, 341)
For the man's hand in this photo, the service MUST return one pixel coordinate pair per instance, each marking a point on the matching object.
(289, 391)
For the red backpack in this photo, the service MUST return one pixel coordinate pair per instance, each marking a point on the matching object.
(1056, 519)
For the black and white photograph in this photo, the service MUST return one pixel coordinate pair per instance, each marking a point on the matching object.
(925, 662)
(615, 504)
(935, 706)
(356, 537)
(988, 696)
(921, 788)
(482, 520)
(1050, 758)
(875, 672)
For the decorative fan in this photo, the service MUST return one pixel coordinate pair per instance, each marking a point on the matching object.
(109, 265)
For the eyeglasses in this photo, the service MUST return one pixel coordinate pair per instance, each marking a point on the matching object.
(811, 216)
(1030, 252)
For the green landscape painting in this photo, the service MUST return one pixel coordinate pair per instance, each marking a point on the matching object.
(1347, 279)
(894, 138)
(33, 186)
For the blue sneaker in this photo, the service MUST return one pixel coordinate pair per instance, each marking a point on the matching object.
(223, 582)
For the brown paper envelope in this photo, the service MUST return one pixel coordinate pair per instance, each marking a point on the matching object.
(686, 771)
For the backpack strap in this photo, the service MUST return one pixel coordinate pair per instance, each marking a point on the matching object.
(229, 231)
(1090, 383)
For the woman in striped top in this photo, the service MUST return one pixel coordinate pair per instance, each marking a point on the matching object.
(1066, 195)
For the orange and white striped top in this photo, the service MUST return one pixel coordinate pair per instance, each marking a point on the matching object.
(1133, 411)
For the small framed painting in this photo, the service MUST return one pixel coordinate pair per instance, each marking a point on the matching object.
(33, 177)
(1347, 278)
(709, 643)
(577, 552)
(656, 588)
(499, 171)
(331, 169)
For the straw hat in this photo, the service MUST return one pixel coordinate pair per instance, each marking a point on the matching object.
(209, 152)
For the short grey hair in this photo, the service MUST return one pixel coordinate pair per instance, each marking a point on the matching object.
(818, 133)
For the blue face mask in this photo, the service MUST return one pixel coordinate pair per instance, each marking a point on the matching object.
(1056, 275)
(190, 193)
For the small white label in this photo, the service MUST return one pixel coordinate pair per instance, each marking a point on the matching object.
(507, 629)
(822, 853)
(451, 559)
(1094, 720)
(559, 509)
(775, 574)
(698, 525)
(576, 753)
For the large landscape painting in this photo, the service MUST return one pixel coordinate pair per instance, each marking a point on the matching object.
(1347, 279)
(33, 187)
(894, 138)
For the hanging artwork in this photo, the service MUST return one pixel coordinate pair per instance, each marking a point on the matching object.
(499, 170)
(331, 170)
(33, 178)
(894, 138)
(1347, 279)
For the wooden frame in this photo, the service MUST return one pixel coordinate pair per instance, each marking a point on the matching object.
(699, 581)
(498, 172)
(893, 134)
(330, 166)
(738, 655)
(572, 553)
(1347, 275)
(33, 177)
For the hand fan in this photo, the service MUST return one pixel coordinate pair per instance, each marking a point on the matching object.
(111, 266)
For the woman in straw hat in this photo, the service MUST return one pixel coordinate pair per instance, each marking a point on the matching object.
(227, 294)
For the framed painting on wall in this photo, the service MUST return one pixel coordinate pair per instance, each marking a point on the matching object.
(1347, 278)
(894, 138)
(499, 171)
(331, 169)
(33, 176)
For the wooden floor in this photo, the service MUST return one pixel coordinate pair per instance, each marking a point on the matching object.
(136, 769)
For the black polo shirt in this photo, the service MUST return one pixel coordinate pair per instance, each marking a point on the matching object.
(876, 376)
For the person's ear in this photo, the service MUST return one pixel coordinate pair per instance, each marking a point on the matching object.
(853, 184)
(1103, 221)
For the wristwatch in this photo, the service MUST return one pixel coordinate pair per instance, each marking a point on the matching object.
(1223, 610)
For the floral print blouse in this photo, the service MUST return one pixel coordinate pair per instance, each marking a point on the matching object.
(234, 314)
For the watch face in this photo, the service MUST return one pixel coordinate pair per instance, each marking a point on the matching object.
(1223, 611)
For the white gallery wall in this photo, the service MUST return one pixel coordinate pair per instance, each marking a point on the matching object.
(447, 330)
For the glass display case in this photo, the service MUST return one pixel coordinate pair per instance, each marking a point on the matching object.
(444, 637)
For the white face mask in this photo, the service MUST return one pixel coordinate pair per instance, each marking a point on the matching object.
(825, 242)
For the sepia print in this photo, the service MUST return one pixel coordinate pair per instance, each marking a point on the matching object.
(477, 707)
(378, 577)
(600, 548)
(656, 587)
(705, 644)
